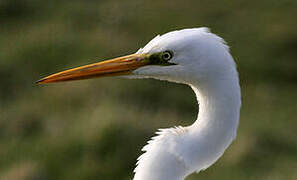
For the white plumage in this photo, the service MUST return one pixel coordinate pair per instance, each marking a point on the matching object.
(203, 62)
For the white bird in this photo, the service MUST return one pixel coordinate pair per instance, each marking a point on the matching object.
(195, 57)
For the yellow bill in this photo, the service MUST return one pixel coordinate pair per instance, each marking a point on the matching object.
(114, 67)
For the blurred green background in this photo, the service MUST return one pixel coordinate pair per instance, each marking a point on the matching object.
(94, 129)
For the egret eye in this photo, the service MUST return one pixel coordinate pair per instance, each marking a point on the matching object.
(167, 55)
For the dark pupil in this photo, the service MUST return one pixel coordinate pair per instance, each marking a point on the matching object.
(166, 56)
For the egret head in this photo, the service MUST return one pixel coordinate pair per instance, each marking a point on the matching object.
(191, 54)
(180, 56)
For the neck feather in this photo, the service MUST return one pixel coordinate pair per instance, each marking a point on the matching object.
(217, 122)
(218, 102)
(177, 152)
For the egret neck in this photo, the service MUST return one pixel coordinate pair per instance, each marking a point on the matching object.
(196, 147)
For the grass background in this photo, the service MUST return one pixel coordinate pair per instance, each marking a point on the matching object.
(94, 129)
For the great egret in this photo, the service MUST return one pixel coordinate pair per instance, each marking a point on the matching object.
(195, 57)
